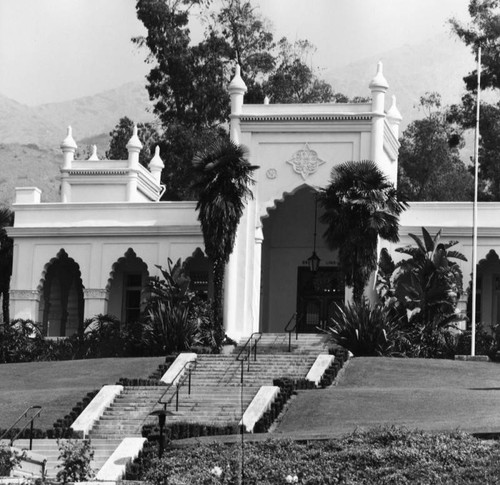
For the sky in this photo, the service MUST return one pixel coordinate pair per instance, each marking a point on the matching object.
(55, 50)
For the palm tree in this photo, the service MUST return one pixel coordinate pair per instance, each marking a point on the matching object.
(360, 205)
(223, 185)
(6, 253)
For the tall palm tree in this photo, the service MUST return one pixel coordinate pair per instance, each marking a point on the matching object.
(360, 205)
(223, 186)
(6, 254)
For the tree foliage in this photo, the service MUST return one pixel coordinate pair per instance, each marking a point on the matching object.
(122, 133)
(360, 205)
(430, 167)
(483, 30)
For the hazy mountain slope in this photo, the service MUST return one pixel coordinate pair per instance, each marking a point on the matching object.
(29, 166)
(45, 125)
(438, 64)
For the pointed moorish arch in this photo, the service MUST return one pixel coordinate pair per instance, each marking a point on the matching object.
(288, 285)
(126, 287)
(61, 307)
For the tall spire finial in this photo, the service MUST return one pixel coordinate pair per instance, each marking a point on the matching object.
(379, 81)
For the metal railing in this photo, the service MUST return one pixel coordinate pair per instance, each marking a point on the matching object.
(293, 326)
(247, 349)
(178, 381)
(31, 419)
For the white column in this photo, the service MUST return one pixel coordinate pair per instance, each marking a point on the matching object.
(24, 304)
(96, 302)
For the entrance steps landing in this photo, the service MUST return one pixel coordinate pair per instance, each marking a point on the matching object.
(303, 343)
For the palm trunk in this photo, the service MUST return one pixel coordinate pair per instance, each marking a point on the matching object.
(218, 270)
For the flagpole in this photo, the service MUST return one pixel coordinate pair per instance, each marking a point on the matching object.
(474, 223)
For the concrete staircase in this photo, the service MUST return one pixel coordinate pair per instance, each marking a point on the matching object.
(103, 448)
(217, 396)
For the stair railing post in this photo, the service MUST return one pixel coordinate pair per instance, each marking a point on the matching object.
(255, 351)
(177, 398)
(31, 434)
(189, 381)
(248, 359)
(241, 380)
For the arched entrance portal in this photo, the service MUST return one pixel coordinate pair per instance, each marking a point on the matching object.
(61, 299)
(126, 288)
(288, 285)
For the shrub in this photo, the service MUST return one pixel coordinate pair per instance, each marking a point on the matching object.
(8, 460)
(365, 330)
(75, 457)
(384, 455)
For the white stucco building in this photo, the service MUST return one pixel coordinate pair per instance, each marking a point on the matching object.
(92, 252)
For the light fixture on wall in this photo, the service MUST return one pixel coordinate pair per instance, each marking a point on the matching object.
(313, 260)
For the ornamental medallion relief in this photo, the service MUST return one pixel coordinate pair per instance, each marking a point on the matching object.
(305, 162)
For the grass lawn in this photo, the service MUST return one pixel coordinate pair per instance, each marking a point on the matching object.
(379, 456)
(58, 386)
(429, 394)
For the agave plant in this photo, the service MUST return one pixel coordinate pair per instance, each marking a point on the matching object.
(366, 330)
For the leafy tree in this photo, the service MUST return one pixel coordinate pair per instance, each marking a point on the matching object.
(483, 30)
(360, 205)
(430, 167)
(6, 255)
(223, 184)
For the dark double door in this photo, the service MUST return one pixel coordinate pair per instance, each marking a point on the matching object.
(317, 297)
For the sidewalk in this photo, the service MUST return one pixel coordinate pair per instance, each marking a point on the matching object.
(433, 395)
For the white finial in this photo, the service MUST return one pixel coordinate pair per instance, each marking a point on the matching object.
(134, 143)
(379, 81)
(68, 147)
(237, 85)
(266, 100)
(393, 112)
(94, 153)
(69, 142)
(156, 161)
(156, 165)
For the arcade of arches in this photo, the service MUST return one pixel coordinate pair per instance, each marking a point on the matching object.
(61, 307)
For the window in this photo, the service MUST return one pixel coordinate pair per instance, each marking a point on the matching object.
(132, 299)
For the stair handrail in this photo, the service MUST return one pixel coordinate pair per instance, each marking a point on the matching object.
(24, 414)
(178, 381)
(248, 347)
(289, 328)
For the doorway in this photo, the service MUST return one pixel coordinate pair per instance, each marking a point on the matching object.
(318, 295)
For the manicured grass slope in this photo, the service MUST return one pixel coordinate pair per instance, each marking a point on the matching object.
(435, 395)
(58, 386)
